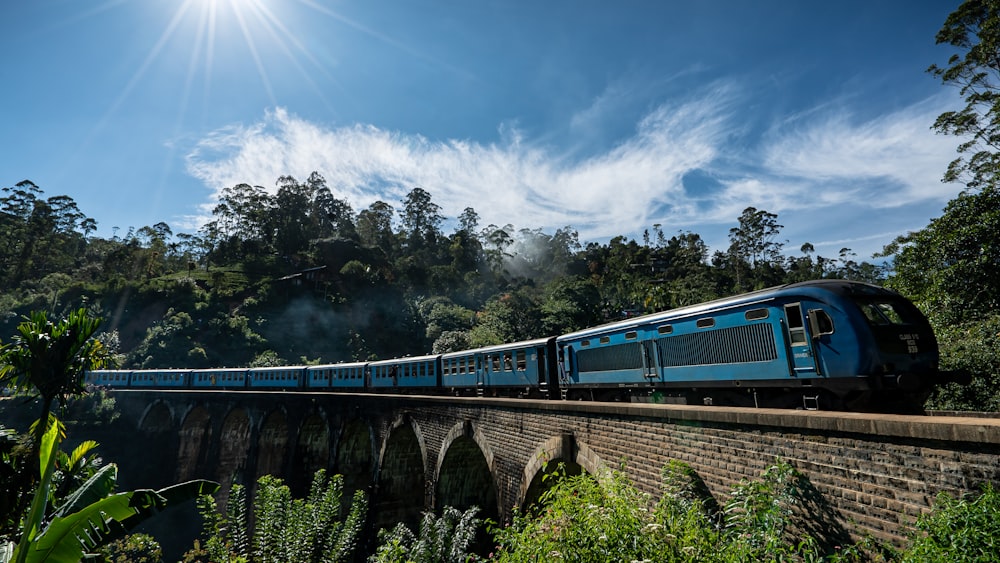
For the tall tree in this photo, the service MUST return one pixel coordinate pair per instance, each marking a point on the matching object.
(753, 245)
(974, 28)
(375, 227)
(421, 220)
(290, 222)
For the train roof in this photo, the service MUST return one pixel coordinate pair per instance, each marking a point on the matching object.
(337, 365)
(500, 347)
(837, 287)
(406, 360)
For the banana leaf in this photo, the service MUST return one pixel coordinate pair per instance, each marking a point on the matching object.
(67, 538)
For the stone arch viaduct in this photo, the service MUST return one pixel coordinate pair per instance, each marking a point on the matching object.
(873, 474)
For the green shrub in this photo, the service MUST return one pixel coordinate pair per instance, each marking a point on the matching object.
(604, 518)
(958, 530)
(284, 529)
(135, 548)
(441, 540)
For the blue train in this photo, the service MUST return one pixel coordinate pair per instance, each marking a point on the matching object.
(825, 344)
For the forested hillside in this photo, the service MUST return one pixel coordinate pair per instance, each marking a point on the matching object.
(301, 277)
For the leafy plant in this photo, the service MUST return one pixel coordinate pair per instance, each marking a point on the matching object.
(587, 518)
(50, 357)
(91, 517)
(134, 548)
(440, 540)
(284, 529)
(958, 530)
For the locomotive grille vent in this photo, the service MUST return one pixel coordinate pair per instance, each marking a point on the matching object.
(610, 358)
(734, 345)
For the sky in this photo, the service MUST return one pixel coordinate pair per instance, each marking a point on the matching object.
(609, 117)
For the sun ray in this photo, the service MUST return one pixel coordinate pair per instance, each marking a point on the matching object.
(154, 52)
(252, 45)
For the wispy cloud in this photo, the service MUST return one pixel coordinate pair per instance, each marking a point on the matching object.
(824, 160)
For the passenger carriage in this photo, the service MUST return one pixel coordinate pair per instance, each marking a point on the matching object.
(350, 376)
(416, 374)
(525, 369)
(219, 378)
(160, 378)
(107, 377)
(275, 377)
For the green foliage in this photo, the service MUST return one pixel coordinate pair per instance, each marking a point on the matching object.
(507, 318)
(973, 28)
(50, 357)
(227, 295)
(958, 530)
(975, 348)
(586, 518)
(444, 539)
(284, 529)
(951, 268)
(134, 548)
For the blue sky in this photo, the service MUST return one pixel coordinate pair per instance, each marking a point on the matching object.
(607, 116)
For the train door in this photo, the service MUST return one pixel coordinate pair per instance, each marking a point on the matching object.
(481, 368)
(650, 367)
(803, 359)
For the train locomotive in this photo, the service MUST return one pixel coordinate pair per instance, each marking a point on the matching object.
(823, 344)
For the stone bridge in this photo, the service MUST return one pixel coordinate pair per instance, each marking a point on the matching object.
(873, 473)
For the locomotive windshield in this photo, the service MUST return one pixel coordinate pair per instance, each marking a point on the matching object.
(884, 313)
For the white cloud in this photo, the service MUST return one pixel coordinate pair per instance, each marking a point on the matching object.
(897, 156)
(821, 160)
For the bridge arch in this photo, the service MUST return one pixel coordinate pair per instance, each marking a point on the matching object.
(464, 477)
(272, 443)
(157, 417)
(400, 494)
(575, 456)
(194, 439)
(234, 445)
(312, 451)
(355, 457)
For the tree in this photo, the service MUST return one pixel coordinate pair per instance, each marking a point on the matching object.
(51, 358)
(375, 227)
(421, 220)
(753, 246)
(952, 266)
(974, 28)
(289, 218)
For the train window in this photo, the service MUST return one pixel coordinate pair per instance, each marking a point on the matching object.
(665, 329)
(708, 322)
(881, 313)
(585, 343)
(820, 322)
(605, 339)
(507, 365)
(796, 329)
(631, 335)
(522, 363)
(756, 314)
(496, 362)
